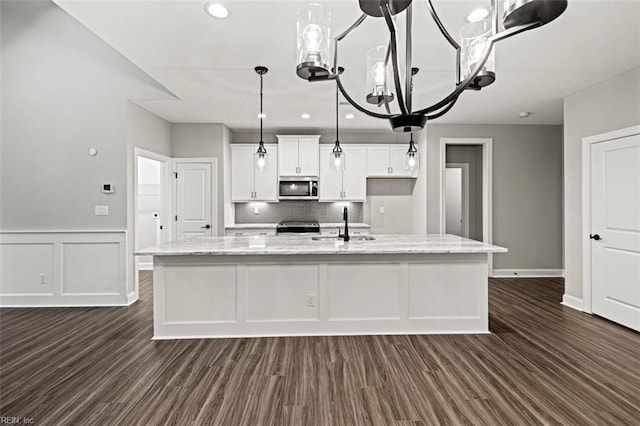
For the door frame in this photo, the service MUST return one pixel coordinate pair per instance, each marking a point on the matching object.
(214, 190)
(586, 206)
(166, 195)
(465, 194)
(487, 186)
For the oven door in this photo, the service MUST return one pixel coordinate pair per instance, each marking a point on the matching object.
(298, 189)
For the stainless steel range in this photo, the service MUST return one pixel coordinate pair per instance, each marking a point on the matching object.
(298, 227)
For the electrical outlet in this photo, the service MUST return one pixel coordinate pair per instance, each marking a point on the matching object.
(311, 300)
(256, 210)
(101, 210)
(43, 278)
(381, 210)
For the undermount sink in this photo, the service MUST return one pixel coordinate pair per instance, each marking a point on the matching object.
(336, 238)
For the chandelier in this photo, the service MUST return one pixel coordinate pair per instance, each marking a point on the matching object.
(387, 83)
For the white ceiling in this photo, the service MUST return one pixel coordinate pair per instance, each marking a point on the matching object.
(208, 63)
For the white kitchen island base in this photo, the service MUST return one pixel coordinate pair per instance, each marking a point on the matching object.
(214, 296)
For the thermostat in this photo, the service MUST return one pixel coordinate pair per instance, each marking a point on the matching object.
(108, 188)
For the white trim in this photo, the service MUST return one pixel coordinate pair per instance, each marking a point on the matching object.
(572, 302)
(88, 288)
(528, 273)
(586, 205)
(145, 266)
(487, 185)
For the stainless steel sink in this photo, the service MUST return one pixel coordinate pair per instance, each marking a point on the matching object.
(336, 238)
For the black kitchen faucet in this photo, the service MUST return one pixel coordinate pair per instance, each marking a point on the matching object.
(345, 216)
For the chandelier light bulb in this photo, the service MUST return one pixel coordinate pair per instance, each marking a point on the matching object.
(477, 15)
(378, 73)
(312, 35)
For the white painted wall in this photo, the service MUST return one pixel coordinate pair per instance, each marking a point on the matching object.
(64, 91)
(610, 105)
(527, 190)
(205, 140)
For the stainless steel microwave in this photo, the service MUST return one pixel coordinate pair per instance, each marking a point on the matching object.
(298, 188)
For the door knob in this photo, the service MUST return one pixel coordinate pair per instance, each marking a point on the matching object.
(205, 227)
(595, 237)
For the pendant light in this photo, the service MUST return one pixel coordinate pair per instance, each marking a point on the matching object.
(411, 157)
(337, 156)
(261, 157)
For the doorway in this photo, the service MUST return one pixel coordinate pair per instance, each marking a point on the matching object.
(152, 205)
(477, 154)
(196, 198)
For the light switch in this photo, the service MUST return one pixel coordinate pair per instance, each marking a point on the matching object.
(102, 210)
(381, 210)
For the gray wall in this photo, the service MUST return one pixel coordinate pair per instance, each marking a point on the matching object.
(472, 155)
(148, 131)
(527, 190)
(204, 140)
(610, 105)
(64, 91)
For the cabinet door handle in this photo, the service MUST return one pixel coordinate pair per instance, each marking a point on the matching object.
(391, 168)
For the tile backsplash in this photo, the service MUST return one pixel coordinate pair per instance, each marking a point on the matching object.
(296, 210)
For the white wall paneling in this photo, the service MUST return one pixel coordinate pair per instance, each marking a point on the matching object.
(198, 296)
(74, 268)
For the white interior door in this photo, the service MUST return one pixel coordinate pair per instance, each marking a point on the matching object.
(453, 201)
(615, 230)
(194, 200)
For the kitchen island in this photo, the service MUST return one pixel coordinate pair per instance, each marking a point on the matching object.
(295, 286)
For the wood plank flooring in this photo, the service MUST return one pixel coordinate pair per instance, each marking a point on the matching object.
(543, 364)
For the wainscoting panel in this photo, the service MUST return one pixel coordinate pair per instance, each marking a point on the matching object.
(63, 268)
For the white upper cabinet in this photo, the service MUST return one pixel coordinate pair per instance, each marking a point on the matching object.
(247, 184)
(298, 155)
(347, 185)
(387, 161)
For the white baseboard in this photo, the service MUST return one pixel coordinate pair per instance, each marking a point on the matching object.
(572, 302)
(528, 273)
(145, 266)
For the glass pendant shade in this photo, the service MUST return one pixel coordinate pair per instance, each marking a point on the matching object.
(337, 158)
(411, 158)
(473, 42)
(314, 41)
(379, 77)
(261, 159)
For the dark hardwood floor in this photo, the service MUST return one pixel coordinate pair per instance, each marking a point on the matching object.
(542, 364)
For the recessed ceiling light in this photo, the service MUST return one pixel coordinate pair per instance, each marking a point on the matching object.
(524, 114)
(477, 15)
(305, 116)
(263, 115)
(349, 116)
(216, 10)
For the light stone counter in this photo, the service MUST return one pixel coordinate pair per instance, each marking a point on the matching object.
(251, 286)
(297, 245)
(323, 225)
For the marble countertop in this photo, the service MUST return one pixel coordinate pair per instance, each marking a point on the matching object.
(273, 225)
(292, 245)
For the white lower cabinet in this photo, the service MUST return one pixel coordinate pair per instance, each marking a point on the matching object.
(349, 184)
(248, 184)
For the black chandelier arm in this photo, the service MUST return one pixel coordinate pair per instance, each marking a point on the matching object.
(443, 111)
(345, 33)
(394, 57)
(464, 84)
(407, 88)
(441, 26)
(356, 105)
